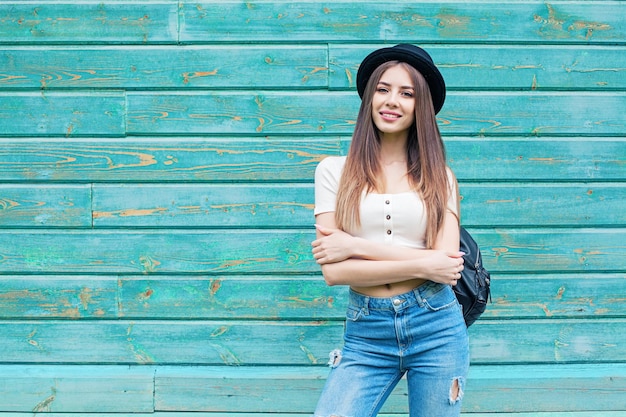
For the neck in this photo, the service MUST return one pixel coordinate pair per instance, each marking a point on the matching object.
(393, 151)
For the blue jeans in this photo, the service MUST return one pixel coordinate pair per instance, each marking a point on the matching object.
(421, 334)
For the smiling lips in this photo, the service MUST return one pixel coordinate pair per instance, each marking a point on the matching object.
(389, 115)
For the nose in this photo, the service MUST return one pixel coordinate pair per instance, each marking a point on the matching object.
(392, 99)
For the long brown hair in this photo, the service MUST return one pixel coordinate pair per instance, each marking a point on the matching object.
(426, 159)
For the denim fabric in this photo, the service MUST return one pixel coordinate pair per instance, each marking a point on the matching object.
(420, 333)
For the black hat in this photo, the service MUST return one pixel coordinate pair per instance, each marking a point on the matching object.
(412, 55)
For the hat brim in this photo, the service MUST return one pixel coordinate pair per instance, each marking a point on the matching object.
(412, 55)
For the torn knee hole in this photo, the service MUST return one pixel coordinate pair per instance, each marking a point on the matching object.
(456, 390)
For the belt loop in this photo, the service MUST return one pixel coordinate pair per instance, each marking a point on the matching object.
(418, 296)
(366, 305)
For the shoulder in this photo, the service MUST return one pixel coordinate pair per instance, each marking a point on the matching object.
(331, 166)
(332, 163)
(452, 181)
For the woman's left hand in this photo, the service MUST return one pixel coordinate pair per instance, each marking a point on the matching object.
(333, 246)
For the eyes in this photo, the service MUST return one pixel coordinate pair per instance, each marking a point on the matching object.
(404, 92)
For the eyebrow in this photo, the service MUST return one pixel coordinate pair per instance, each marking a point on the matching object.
(404, 87)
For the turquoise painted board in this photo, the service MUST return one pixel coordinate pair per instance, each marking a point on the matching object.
(232, 205)
(189, 67)
(301, 342)
(45, 206)
(239, 251)
(62, 114)
(465, 113)
(484, 66)
(294, 158)
(395, 22)
(41, 296)
(88, 22)
(76, 389)
(543, 67)
(527, 389)
(567, 295)
(513, 296)
(291, 205)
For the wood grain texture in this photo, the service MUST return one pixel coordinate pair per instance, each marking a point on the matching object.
(465, 113)
(294, 158)
(88, 22)
(291, 205)
(72, 297)
(215, 159)
(62, 114)
(542, 67)
(396, 22)
(281, 251)
(294, 297)
(506, 67)
(526, 389)
(304, 342)
(178, 205)
(163, 67)
(45, 206)
(76, 389)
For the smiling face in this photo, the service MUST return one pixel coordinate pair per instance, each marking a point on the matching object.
(393, 103)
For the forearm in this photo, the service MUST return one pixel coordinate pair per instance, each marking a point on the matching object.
(375, 251)
(369, 273)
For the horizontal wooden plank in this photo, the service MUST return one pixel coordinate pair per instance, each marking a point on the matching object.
(185, 67)
(291, 205)
(149, 252)
(527, 160)
(528, 296)
(293, 158)
(293, 297)
(280, 251)
(541, 67)
(498, 388)
(235, 205)
(37, 296)
(543, 205)
(76, 389)
(62, 114)
(168, 342)
(234, 342)
(531, 67)
(311, 21)
(182, 390)
(164, 160)
(286, 112)
(45, 206)
(89, 22)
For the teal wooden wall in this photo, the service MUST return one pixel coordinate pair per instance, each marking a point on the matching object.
(156, 200)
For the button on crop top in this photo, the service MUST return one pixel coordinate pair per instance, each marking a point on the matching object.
(396, 219)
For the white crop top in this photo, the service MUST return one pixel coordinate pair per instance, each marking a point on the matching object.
(396, 219)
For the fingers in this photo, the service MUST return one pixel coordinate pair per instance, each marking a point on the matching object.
(323, 230)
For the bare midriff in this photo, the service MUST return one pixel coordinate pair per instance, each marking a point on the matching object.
(389, 290)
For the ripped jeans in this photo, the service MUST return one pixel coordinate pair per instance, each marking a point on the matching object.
(421, 334)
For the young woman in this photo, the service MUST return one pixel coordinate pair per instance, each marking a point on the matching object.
(387, 219)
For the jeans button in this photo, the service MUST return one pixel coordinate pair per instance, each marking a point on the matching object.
(397, 302)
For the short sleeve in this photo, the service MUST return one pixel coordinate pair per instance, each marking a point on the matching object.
(327, 176)
(453, 200)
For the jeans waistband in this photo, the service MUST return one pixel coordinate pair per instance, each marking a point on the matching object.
(396, 302)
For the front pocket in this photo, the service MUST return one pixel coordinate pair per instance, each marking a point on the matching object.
(354, 313)
(444, 298)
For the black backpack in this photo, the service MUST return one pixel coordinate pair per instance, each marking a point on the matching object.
(473, 289)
